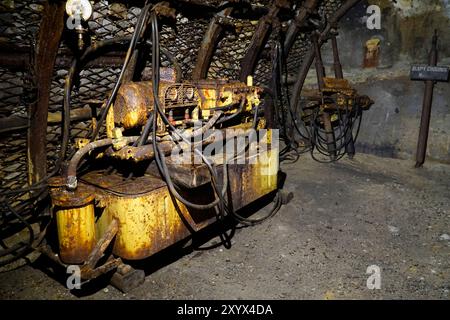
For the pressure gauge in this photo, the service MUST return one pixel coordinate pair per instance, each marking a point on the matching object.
(189, 93)
(172, 94)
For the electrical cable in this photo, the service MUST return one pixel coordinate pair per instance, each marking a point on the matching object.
(25, 247)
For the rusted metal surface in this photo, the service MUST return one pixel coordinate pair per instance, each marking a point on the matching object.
(76, 232)
(146, 152)
(340, 96)
(18, 58)
(14, 123)
(151, 220)
(209, 42)
(426, 108)
(89, 270)
(64, 198)
(102, 244)
(15, 57)
(134, 102)
(104, 268)
(259, 39)
(49, 38)
(148, 218)
(320, 69)
(74, 213)
(336, 60)
(114, 184)
(187, 101)
(142, 153)
(71, 180)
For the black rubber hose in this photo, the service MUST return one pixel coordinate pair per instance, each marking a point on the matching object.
(146, 131)
(24, 247)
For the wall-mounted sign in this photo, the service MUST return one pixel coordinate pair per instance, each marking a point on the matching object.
(424, 73)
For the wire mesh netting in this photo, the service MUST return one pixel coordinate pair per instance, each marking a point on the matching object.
(19, 25)
(231, 49)
(183, 41)
(19, 20)
(328, 7)
(113, 19)
(14, 98)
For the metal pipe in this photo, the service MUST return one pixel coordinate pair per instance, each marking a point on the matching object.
(336, 60)
(320, 70)
(71, 182)
(146, 152)
(127, 152)
(426, 108)
(326, 119)
(339, 74)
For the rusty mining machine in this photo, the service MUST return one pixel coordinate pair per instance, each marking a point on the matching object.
(151, 165)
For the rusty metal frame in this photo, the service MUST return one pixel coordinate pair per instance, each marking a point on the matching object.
(50, 33)
(88, 270)
(209, 43)
(309, 58)
(260, 37)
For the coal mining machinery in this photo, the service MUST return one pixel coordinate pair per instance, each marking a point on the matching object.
(131, 128)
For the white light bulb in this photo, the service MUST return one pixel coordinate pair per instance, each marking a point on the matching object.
(82, 8)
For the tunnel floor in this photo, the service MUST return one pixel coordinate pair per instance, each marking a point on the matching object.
(344, 217)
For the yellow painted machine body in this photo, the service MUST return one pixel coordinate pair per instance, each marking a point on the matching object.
(76, 232)
(139, 216)
(149, 218)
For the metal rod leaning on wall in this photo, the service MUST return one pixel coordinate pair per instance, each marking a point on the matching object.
(339, 74)
(426, 108)
(320, 71)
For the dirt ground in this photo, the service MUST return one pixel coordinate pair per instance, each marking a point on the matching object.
(344, 217)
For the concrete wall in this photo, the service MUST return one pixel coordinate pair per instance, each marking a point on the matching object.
(391, 127)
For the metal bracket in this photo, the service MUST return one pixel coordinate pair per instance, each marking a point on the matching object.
(88, 270)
